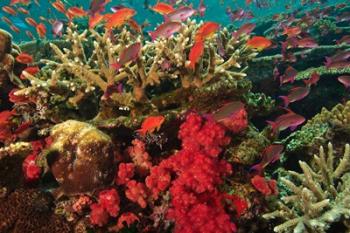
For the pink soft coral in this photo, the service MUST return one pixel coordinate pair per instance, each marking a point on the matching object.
(139, 156)
(137, 192)
(98, 216)
(237, 122)
(30, 169)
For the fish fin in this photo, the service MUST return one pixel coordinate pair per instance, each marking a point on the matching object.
(273, 125)
(257, 168)
(292, 128)
(285, 100)
(116, 66)
(152, 35)
(166, 18)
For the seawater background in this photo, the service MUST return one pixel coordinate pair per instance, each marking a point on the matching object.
(215, 12)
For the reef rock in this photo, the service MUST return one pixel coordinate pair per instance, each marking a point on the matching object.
(81, 157)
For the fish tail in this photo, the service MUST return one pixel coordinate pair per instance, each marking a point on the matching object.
(273, 125)
(285, 100)
(258, 168)
(328, 62)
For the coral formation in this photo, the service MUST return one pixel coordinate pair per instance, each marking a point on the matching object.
(27, 210)
(81, 157)
(317, 197)
(324, 126)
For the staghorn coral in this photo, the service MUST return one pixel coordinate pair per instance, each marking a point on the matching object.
(76, 75)
(322, 127)
(30, 211)
(317, 197)
(81, 157)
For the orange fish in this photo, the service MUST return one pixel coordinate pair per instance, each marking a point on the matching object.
(31, 21)
(24, 2)
(14, 28)
(119, 18)
(33, 70)
(163, 8)
(24, 58)
(9, 10)
(150, 124)
(76, 12)
(41, 30)
(94, 20)
(259, 43)
(6, 20)
(196, 53)
(23, 10)
(59, 6)
(206, 30)
(291, 31)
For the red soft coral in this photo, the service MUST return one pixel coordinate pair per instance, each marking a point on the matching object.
(125, 173)
(196, 203)
(30, 169)
(109, 200)
(139, 156)
(266, 187)
(98, 216)
(127, 219)
(136, 192)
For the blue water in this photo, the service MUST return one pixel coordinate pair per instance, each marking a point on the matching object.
(215, 12)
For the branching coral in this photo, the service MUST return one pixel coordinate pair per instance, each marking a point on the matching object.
(77, 74)
(321, 128)
(318, 197)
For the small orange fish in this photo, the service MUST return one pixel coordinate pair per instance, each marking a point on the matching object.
(196, 53)
(33, 70)
(76, 12)
(163, 8)
(150, 124)
(205, 31)
(119, 18)
(23, 2)
(23, 10)
(24, 58)
(291, 31)
(14, 28)
(59, 6)
(9, 10)
(94, 20)
(31, 21)
(41, 30)
(6, 20)
(259, 43)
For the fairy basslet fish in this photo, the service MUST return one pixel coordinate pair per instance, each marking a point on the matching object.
(295, 94)
(129, 54)
(180, 15)
(166, 30)
(270, 154)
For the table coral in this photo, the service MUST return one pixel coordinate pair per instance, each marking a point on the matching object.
(317, 197)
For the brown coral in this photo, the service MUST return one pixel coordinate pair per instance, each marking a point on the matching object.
(81, 157)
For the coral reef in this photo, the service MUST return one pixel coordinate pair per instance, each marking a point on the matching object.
(317, 197)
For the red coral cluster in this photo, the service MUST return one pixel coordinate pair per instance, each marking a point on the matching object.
(196, 203)
(30, 169)
(266, 187)
(108, 205)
